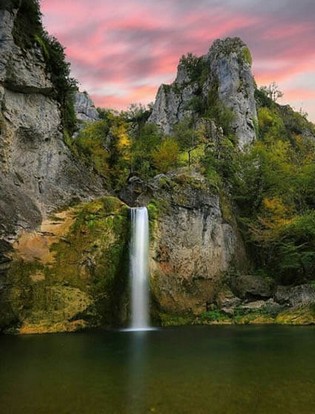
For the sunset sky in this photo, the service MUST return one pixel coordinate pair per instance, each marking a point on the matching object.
(121, 51)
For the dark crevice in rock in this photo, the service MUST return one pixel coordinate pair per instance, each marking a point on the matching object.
(28, 90)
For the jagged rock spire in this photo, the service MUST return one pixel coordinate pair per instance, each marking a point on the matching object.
(223, 75)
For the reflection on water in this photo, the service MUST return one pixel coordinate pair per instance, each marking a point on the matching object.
(230, 370)
(137, 366)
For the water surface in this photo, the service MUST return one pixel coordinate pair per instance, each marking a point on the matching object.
(211, 370)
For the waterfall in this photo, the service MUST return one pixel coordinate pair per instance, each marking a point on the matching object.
(139, 268)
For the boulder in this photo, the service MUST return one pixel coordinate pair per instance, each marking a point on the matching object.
(295, 295)
(226, 301)
(252, 287)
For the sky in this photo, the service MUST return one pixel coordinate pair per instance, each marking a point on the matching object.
(122, 51)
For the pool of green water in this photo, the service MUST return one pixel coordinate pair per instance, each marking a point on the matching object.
(193, 370)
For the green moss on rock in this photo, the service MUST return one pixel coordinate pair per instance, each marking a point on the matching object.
(85, 282)
(303, 315)
(247, 55)
(176, 320)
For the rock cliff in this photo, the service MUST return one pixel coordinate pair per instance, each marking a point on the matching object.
(37, 171)
(193, 244)
(222, 76)
(34, 159)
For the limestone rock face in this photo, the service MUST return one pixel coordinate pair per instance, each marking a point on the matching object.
(84, 107)
(33, 156)
(223, 74)
(192, 243)
(20, 70)
(230, 65)
(171, 106)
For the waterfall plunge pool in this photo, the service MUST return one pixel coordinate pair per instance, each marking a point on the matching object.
(211, 370)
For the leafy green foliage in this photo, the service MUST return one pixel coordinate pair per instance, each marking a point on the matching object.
(195, 66)
(117, 148)
(60, 75)
(144, 140)
(220, 159)
(105, 144)
(137, 113)
(217, 111)
(188, 137)
(247, 55)
(28, 22)
(274, 190)
(214, 315)
(165, 156)
(262, 100)
(9, 4)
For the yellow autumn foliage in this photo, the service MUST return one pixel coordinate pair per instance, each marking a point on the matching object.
(121, 134)
(165, 156)
(275, 217)
(275, 207)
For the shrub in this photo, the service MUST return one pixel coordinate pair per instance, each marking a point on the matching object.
(247, 55)
(165, 156)
(28, 22)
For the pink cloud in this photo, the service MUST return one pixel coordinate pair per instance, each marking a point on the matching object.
(283, 71)
(120, 43)
(137, 95)
(295, 94)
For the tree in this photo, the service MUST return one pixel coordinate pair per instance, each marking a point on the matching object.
(165, 156)
(274, 189)
(119, 153)
(272, 91)
(188, 136)
(144, 141)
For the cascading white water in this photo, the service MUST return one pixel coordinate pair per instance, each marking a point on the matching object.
(139, 268)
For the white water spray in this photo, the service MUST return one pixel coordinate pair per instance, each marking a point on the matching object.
(139, 269)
